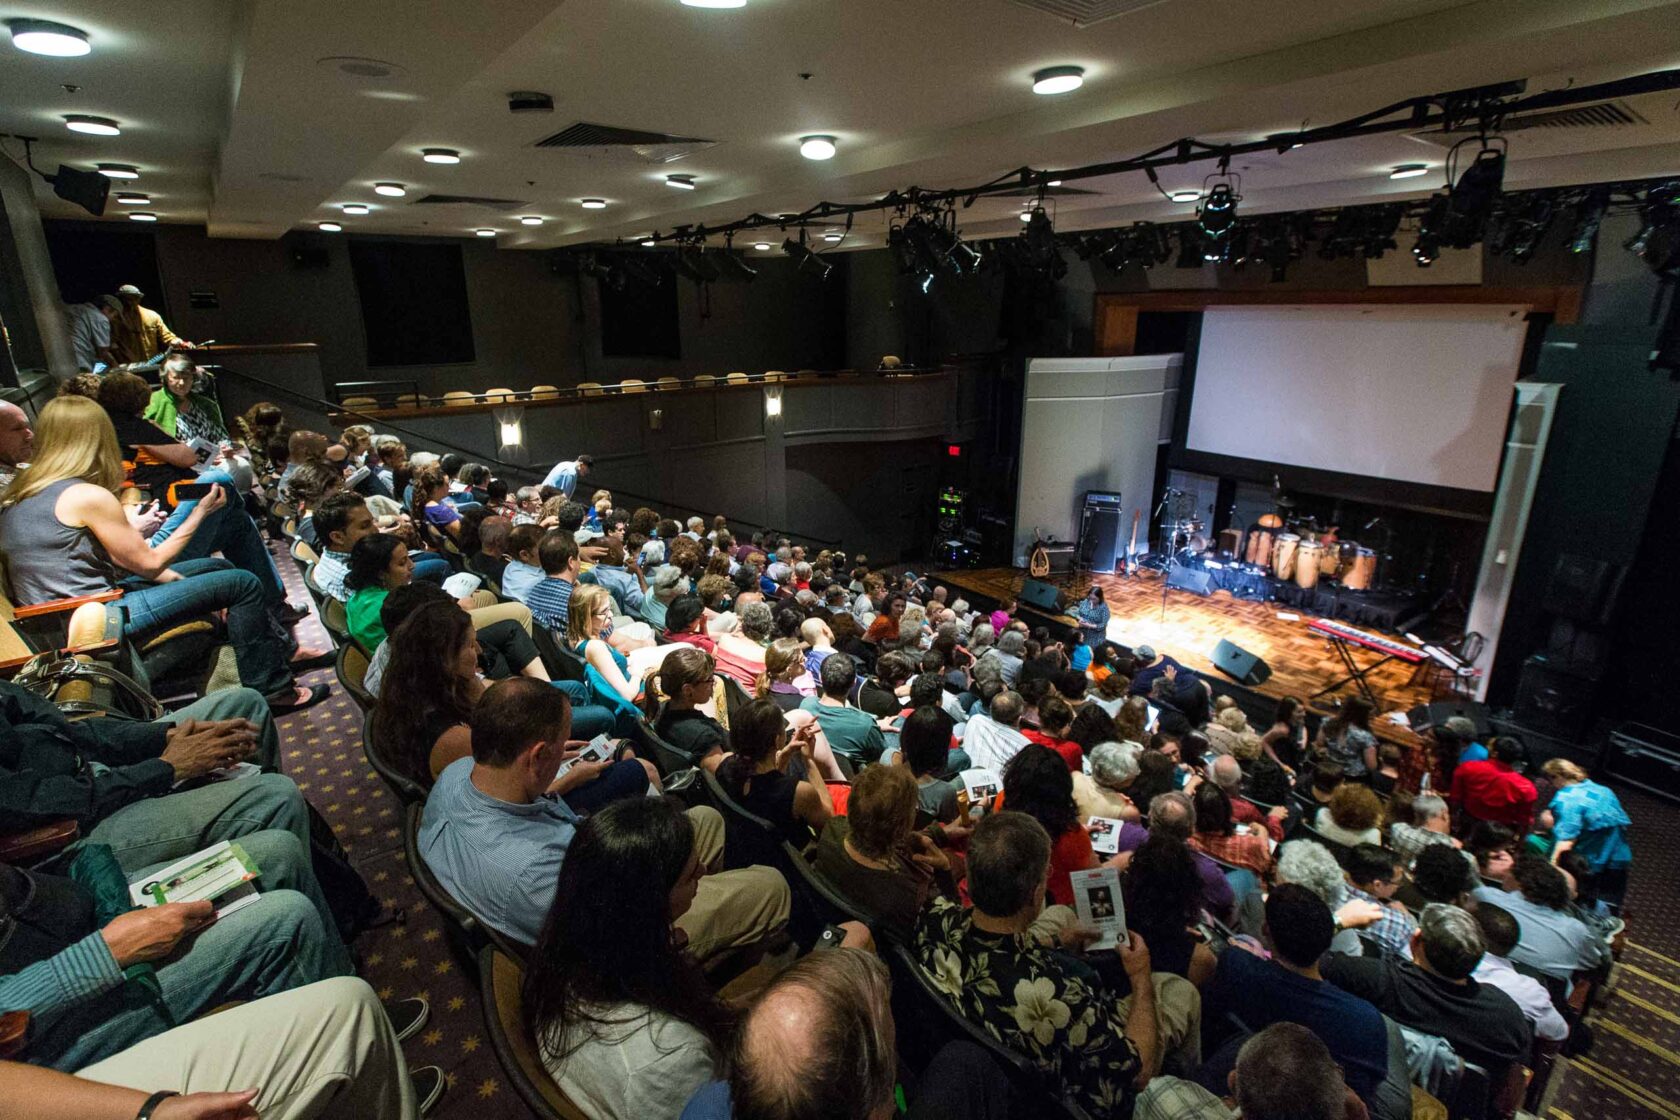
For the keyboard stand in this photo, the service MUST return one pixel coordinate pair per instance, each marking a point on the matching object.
(1355, 674)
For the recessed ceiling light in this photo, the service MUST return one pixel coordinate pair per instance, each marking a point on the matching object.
(1054, 183)
(118, 170)
(142, 216)
(681, 182)
(328, 227)
(1185, 196)
(485, 232)
(1409, 171)
(357, 208)
(132, 198)
(1058, 79)
(831, 236)
(390, 190)
(648, 243)
(530, 220)
(593, 204)
(1026, 215)
(762, 246)
(41, 36)
(816, 147)
(714, 3)
(93, 126)
(440, 155)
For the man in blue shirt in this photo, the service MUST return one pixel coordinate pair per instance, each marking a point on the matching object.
(550, 598)
(1464, 730)
(850, 731)
(523, 570)
(497, 826)
(626, 584)
(565, 474)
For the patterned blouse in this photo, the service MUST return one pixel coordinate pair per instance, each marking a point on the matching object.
(1036, 1001)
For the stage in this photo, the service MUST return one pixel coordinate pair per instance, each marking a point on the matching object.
(1302, 661)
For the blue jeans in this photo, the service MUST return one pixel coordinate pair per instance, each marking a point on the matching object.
(210, 584)
(589, 719)
(618, 782)
(231, 532)
(429, 567)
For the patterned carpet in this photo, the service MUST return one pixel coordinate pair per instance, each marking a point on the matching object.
(1633, 1071)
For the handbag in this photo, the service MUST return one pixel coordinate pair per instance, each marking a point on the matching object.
(82, 689)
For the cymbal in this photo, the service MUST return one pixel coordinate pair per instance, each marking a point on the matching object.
(1285, 501)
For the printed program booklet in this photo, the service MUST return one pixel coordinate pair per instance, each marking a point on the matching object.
(1105, 835)
(981, 786)
(597, 749)
(224, 874)
(1097, 901)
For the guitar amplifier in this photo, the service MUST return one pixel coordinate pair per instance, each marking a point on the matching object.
(1099, 530)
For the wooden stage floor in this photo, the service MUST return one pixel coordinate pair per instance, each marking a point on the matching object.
(1302, 662)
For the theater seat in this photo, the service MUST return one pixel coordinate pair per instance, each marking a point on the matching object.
(500, 978)
(542, 392)
(409, 400)
(359, 402)
(457, 397)
(705, 380)
(670, 383)
(499, 396)
(351, 669)
(590, 388)
(632, 385)
(736, 378)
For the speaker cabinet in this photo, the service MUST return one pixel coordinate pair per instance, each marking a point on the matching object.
(1044, 596)
(1583, 589)
(1554, 701)
(1099, 530)
(1236, 662)
(1190, 579)
(1434, 715)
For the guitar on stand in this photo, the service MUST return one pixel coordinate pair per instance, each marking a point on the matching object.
(1130, 566)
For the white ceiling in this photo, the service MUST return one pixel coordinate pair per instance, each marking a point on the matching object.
(237, 124)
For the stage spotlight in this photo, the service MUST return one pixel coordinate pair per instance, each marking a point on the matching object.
(1589, 215)
(1218, 211)
(731, 268)
(1658, 241)
(805, 258)
(1151, 243)
(903, 253)
(693, 262)
(1040, 235)
(1189, 247)
(1117, 254)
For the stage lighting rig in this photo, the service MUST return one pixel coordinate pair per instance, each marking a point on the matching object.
(805, 258)
(1658, 241)
(1589, 215)
(730, 267)
(1039, 248)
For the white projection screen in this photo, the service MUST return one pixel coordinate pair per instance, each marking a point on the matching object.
(1416, 393)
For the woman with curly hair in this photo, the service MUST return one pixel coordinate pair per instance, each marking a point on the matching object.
(1353, 817)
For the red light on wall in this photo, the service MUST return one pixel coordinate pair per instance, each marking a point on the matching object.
(954, 450)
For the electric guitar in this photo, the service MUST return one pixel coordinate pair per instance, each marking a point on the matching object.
(1130, 566)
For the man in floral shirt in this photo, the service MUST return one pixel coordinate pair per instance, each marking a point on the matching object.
(1040, 1001)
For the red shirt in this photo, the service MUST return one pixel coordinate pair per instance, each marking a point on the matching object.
(692, 638)
(1071, 852)
(1067, 748)
(1490, 790)
(1244, 811)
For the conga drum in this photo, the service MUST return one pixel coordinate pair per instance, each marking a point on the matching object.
(1330, 564)
(1307, 560)
(1260, 542)
(1283, 555)
(1362, 571)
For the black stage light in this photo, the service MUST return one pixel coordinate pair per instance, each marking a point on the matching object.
(87, 189)
(1476, 191)
(1430, 231)
(1218, 211)
(1589, 215)
(1189, 247)
(807, 260)
(693, 263)
(903, 253)
(731, 267)
(1040, 235)
(1152, 244)
(1660, 223)
(919, 232)
(639, 269)
(1118, 254)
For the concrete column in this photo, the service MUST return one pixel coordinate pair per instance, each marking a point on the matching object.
(33, 312)
(775, 460)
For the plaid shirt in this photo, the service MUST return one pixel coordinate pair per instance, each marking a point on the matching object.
(1408, 840)
(1393, 931)
(1171, 1098)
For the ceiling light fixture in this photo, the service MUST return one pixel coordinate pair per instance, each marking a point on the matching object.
(92, 126)
(390, 190)
(714, 3)
(485, 232)
(817, 147)
(1026, 215)
(142, 216)
(648, 243)
(118, 170)
(440, 155)
(131, 198)
(530, 220)
(356, 208)
(1058, 79)
(832, 237)
(762, 246)
(1185, 196)
(42, 36)
(328, 227)
(1054, 183)
(1409, 171)
(593, 204)
(681, 182)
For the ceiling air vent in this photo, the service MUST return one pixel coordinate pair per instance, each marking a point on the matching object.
(1603, 114)
(469, 200)
(605, 140)
(1084, 13)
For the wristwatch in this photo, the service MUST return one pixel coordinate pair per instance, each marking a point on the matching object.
(152, 1102)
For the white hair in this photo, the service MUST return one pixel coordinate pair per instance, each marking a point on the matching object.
(422, 459)
(1309, 864)
(1113, 765)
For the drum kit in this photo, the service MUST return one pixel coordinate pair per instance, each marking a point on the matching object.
(1279, 544)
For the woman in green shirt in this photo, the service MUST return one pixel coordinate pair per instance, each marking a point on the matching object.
(379, 564)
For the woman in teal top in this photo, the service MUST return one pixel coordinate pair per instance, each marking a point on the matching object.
(588, 622)
(378, 565)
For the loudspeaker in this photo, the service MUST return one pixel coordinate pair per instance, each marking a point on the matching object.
(1553, 701)
(1235, 661)
(1044, 596)
(1583, 589)
(1190, 579)
(1099, 530)
(1434, 715)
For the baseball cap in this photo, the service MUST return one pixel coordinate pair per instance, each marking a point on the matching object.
(129, 290)
(584, 536)
(111, 302)
(1145, 653)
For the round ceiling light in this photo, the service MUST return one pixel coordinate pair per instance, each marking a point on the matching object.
(681, 182)
(118, 170)
(42, 36)
(1026, 215)
(1409, 171)
(1058, 79)
(648, 242)
(530, 220)
(1185, 196)
(142, 216)
(714, 3)
(485, 232)
(762, 246)
(832, 237)
(131, 198)
(93, 126)
(817, 147)
(440, 155)
(390, 190)
(1054, 183)
(593, 203)
(328, 227)
(356, 208)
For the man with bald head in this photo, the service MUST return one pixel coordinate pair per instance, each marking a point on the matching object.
(1226, 773)
(17, 441)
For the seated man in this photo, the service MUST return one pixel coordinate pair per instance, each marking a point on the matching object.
(685, 623)
(1433, 825)
(1492, 789)
(621, 577)
(491, 558)
(1283, 1073)
(524, 566)
(992, 740)
(341, 520)
(497, 826)
(1095, 1047)
(1290, 989)
(850, 731)
(1373, 875)
(1502, 934)
(1174, 814)
(551, 597)
(1435, 992)
(1553, 940)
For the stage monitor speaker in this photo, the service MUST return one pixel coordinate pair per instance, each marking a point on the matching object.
(1434, 715)
(1099, 530)
(1044, 596)
(1583, 589)
(1553, 701)
(1235, 661)
(1190, 579)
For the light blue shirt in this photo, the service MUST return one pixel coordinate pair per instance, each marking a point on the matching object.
(519, 578)
(499, 860)
(564, 476)
(626, 589)
(1551, 941)
(1590, 815)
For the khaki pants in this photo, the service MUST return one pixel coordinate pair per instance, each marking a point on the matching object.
(487, 611)
(731, 908)
(324, 1050)
(1178, 1016)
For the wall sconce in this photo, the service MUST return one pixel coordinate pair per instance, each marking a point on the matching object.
(772, 402)
(510, 434)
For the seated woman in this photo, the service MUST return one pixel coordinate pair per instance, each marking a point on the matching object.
(431, 488)
(924, 743)
(1264, 778)
(885, 695)
(755, 773)
(740, 654)
(784, 664)
(883, 631)
(1164, 898)
(65, 535)
(1037, 782)
(427, 696)
(1104, 791)
(873, 857)
(686, 678)
(1054, 719)
(588, 626)
(379, 564)
(1217, 834)
(1353, 817)
(623, 1018)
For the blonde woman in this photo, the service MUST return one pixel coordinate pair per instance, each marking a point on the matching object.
(66, 535)
(588, 624)
(784, 663)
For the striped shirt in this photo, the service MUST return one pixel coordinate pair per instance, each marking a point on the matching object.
(52, 987)
(550, 600)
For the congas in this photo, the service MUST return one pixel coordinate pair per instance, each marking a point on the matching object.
(1230, 542)
(1331, 564)
(1362, 571)
(1260, 541)
(1307, 561)
(1283, 555)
